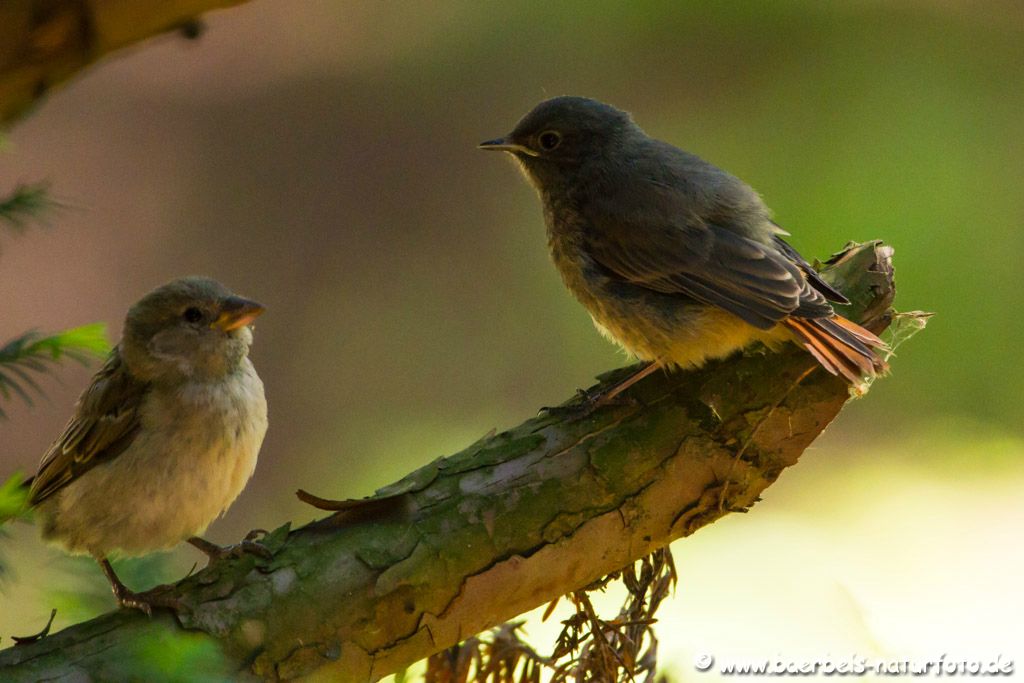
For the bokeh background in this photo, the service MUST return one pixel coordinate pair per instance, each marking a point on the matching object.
(320, 157)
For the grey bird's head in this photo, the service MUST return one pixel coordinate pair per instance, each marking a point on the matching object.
(190, 328)
(562, 134)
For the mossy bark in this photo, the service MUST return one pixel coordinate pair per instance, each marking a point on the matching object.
(45, 42)
(511, 522)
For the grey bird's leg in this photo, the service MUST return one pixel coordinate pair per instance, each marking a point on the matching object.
(145, 602)
(589, 402)
(608, 396)
(248, 546)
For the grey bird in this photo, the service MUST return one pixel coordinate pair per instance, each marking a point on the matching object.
(675, 259)
(164, 438)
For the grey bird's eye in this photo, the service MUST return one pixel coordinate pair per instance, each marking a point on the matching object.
(192, 314)
(549, 139)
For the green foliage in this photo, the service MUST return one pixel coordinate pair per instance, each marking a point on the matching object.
(13, 504)
(33, 354)
(25, 203)
(167, 656)
(13, 497)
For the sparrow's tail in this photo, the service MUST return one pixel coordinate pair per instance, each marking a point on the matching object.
(842, 347)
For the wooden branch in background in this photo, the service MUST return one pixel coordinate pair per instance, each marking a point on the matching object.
(43, 43)
(510, 523)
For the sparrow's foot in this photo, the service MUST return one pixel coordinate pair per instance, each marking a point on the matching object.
(161, 596)
(247, 546)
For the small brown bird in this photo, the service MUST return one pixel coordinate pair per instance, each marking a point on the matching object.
(675, 259)
(164, 438)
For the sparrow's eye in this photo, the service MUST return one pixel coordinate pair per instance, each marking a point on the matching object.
(192, 314)
(549, 139)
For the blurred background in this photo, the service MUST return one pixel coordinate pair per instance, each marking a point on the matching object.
(320, 158)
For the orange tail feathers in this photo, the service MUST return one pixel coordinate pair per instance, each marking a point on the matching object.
(842, 347)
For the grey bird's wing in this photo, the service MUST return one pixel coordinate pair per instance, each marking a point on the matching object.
(106, 420)
(830, 292)
(649, 235)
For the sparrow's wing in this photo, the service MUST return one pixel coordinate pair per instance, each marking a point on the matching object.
(672, 251)
(106, 420)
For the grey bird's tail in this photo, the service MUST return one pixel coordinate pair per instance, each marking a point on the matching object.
(842, 347)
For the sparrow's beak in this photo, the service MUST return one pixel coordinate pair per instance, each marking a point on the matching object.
(236, 312)
(506, 145)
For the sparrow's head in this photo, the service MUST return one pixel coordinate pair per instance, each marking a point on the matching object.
(561, 134)
(190, 328)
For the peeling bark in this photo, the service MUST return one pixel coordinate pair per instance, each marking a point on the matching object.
(45, 42)
(510, 523)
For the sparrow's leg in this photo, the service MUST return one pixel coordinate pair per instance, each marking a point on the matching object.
(157, 597)
(589, 402)
(248, 545)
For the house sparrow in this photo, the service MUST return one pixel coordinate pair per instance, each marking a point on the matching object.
(164, 438)
(675, 259)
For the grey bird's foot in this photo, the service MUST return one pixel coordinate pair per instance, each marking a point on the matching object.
(585, 403)
(588, 402)
(161, 596)
(247, 546)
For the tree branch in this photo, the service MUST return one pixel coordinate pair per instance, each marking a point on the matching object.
(45, 42)
(510, 523)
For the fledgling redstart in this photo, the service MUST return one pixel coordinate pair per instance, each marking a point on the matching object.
(164, 438)
(675, 259)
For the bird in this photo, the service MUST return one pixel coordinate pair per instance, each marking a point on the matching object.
(163, 439)
(675, 259)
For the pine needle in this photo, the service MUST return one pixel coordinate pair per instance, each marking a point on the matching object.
(26, 203)
(25, 357)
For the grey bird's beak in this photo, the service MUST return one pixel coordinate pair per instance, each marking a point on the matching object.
(236, 312)
(504, 145)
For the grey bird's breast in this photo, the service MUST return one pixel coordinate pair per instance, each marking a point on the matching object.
(643, 322)
(194, 453)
